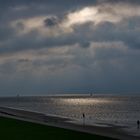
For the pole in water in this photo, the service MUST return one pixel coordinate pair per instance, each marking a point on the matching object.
(138, 124)
(83, 119)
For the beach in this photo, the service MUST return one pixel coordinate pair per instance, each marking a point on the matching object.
(62, 122)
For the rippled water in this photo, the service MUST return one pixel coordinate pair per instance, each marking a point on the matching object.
(123, 110)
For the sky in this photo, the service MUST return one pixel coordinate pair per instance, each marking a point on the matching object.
(69, 46)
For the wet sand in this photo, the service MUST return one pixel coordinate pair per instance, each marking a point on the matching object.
(109, 131)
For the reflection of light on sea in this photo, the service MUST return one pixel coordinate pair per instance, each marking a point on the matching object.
(85, 101)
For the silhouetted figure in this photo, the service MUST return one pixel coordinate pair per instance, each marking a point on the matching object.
(84, 119)
(138, 124)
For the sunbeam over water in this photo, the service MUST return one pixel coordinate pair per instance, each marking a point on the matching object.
(85, 101)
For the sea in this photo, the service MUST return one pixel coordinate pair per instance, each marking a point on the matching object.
(100, 110)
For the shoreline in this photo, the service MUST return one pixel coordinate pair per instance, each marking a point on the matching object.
(55, 121)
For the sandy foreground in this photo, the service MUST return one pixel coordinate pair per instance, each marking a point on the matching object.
(109, 131)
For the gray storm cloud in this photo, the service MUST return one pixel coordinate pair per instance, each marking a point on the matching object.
(69, 47)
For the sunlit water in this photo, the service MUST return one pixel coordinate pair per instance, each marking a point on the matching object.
(117, 110)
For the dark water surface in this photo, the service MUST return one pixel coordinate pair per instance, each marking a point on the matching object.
(118, 110)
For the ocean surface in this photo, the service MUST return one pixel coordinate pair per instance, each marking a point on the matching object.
(98, 109)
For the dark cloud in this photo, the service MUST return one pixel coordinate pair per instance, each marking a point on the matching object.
(51, 5)
(107, 32)
(81, 57)
(6, 33)
(83, 35)
(85, 44)
(52, 21)
(84, 73)
(118, 1)
(54, 2)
